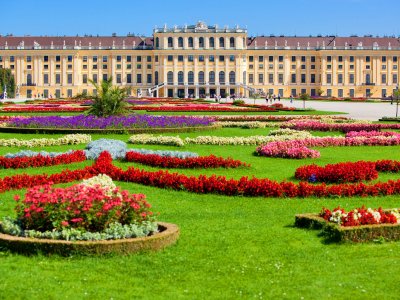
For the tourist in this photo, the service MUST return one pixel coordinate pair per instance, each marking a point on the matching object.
(274, 96)
(279, 97)
(291, 98)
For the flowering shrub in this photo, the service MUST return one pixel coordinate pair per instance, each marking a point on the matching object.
(69, 139)
(41, 160)
(91, 206)
(337, 173)
(210, 161)
(156, 140)
(92, 122)
(360, 216)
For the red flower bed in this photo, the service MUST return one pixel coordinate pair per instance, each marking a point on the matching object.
(43, 109)
(346, 172)
(359, 216)
(199, 108)
(253, 187)
(41, 161)
(190, 162)
(336, 173)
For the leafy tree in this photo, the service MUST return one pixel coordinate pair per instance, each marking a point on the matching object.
(255, 96)
(7, 79)
(109, 100)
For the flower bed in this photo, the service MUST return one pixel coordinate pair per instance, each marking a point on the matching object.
(337, 173)
(346, 172)
(277, 118)
(210, 161)
(251, 187)
(41, 160)
(215, 140)
(112, 122)
(358, 225)
(299, 148)
(93, 210)
(43, 109)
(69, 139)
(343, 127)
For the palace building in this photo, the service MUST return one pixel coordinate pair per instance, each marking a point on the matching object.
(200, 60)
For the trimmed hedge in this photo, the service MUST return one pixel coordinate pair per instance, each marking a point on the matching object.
(335, 233)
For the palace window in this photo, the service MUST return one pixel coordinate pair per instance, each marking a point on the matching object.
(270, 58)
(351, 78)
(190, 42)
(46, 58)
(312, 78)
(119, 58)
(94, 58)
(45, 78)
(94, 78)
(293, 58)
(170, 77)
(351, 58)
(368, 58)
(232, 77)
(313, 59)
(170, 57)
(180, 42)
(383, 59)
(280, 78)
(383, 79)
(201, 77)
(201, 57)
(84, 58)
(191, 77)
(149, 78)
(84, 78)
(58, 79)
(138, 58)
(170, 42)
(232, 58)
(221, 42)
(261, 78)
(303, 78)
(211, 77)
(221, 77)
(58, 58)
(180, 77)
(271, 78)
(211, 42)
(190, 58)
(340, 58)
(340, 78)
(293, 78)
(69, 58)
(180, 58)
(119, 78)
(211, 58)
(221, 58)
(251, 78)
(303, 59)
(138, 78)
(232, 42)
(201, 42)
(128, 58)
(128, 78)
(394, 79)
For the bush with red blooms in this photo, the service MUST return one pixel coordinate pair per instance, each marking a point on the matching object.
(41, 161)
(189, 162)
(337, 173)
(360, 216)
(85, 207)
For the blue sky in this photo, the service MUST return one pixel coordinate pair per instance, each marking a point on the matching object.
(290, 17)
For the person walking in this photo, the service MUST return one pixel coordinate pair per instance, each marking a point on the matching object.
(274, 96)
(291, 98)
(279, 97)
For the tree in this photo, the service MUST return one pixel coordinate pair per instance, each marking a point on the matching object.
(7, 79)
(304, 97)
(255, 96)
(109, 100)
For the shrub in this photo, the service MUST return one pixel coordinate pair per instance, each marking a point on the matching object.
(304, 96)
(238, 102)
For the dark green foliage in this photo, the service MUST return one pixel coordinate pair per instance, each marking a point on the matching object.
(304, 96)
(7, 79)
(109, 100)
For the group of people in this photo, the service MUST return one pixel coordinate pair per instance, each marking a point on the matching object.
(273, 97)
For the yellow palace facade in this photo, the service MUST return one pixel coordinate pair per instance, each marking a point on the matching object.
(202, 61)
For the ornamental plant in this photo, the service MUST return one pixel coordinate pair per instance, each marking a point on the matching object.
(91, 206)
(360, 216)
(109, 100)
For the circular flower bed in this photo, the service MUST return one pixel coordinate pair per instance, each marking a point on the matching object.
(94, 210)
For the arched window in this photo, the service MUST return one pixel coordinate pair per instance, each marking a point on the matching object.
(211, 42)
(232, 42)
(157, 42)
(190, 42)
(191, 77)
(170, 77)
(29, 79)
(211, 77)
(170, 42)
(201, 77)
(180, 42)
(232, 77)
(221, 42)
(201, 42)
(221, 77)
(156, 78)
(180, 77)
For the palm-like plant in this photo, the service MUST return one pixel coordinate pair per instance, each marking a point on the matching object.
(109, 100)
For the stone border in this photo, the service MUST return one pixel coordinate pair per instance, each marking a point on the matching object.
(105, 131)
(336, 233)
(168, 235)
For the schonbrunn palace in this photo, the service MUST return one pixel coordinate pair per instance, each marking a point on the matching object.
(201, 60)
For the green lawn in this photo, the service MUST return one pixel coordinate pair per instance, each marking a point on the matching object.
(229, 248)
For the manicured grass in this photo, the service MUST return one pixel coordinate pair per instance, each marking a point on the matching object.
(229, 248)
